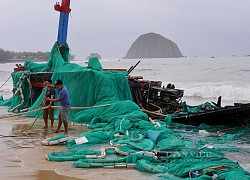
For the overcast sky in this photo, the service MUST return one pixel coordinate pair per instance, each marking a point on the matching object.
(109, 27)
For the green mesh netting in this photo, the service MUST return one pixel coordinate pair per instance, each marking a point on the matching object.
(187, 109)
(171, 150)
(21, 84)
(6, 102)
(88, 86)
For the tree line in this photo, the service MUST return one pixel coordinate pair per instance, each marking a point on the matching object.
(8, 56)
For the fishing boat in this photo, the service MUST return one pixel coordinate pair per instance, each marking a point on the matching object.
(233, 115)
(159, 102)
(152, 97)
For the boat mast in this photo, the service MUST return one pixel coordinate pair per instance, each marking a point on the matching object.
(64, 10)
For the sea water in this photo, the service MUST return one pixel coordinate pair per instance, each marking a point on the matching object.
(202, 79)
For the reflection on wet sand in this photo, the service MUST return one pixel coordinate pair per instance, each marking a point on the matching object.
(23, 157)
(51, 175)
(15, 140)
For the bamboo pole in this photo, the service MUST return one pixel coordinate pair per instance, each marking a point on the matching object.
(20, 114)
(82, 108)
(72, 108)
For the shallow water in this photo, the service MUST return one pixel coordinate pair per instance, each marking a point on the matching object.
(14, 144)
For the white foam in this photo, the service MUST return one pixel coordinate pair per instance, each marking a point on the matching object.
(228, 92)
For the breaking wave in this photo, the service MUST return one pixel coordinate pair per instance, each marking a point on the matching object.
(228, 92)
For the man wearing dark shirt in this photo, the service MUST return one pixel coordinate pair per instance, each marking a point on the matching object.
(50, 93)
(64, 99)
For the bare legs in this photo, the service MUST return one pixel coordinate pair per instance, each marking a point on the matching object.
(59, 126)
(46, 112)
(51, 116)
(62, 120)
(45, 117)
(65, 124)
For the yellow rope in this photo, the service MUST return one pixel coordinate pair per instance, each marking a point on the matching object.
(158, 107)
(221, 167)
(154, 113)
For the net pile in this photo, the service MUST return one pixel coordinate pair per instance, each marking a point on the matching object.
(165, 150)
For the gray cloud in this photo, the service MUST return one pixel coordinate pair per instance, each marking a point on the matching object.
(200, 28)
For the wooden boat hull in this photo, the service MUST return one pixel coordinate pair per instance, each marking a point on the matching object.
(228, 115)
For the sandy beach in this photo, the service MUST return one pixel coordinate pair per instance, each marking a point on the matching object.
(23, 157)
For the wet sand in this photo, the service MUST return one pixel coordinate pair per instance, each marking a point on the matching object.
(23, 157)
(15, 144)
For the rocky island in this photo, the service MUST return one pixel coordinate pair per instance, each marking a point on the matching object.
(152, 45)
(94, 55)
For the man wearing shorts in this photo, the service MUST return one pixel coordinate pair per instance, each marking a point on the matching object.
(63, 98)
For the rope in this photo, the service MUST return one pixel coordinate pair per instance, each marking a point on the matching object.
(5, 82)
(72, 108)
(35, 120)
(216, 168)
(153, 122)
(30, 88)
(3, 136)
(154, 113)
(38, 113)
(219, 133)
(20, 114)
(20, 90)
(158, 107)
(219, 168)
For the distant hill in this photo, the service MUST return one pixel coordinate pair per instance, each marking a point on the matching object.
(152, 45)
(11, 56)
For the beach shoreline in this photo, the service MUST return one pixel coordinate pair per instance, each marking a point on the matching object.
(28, 157)
(14, 145)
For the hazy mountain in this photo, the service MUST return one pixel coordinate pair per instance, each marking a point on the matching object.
(152, 45)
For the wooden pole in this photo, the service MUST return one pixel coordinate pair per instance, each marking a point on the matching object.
(72, 108)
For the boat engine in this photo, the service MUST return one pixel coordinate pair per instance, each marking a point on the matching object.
(167, 98)
(152, 96)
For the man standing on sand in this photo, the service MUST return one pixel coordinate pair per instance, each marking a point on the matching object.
(50, 93)
(63, 98)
